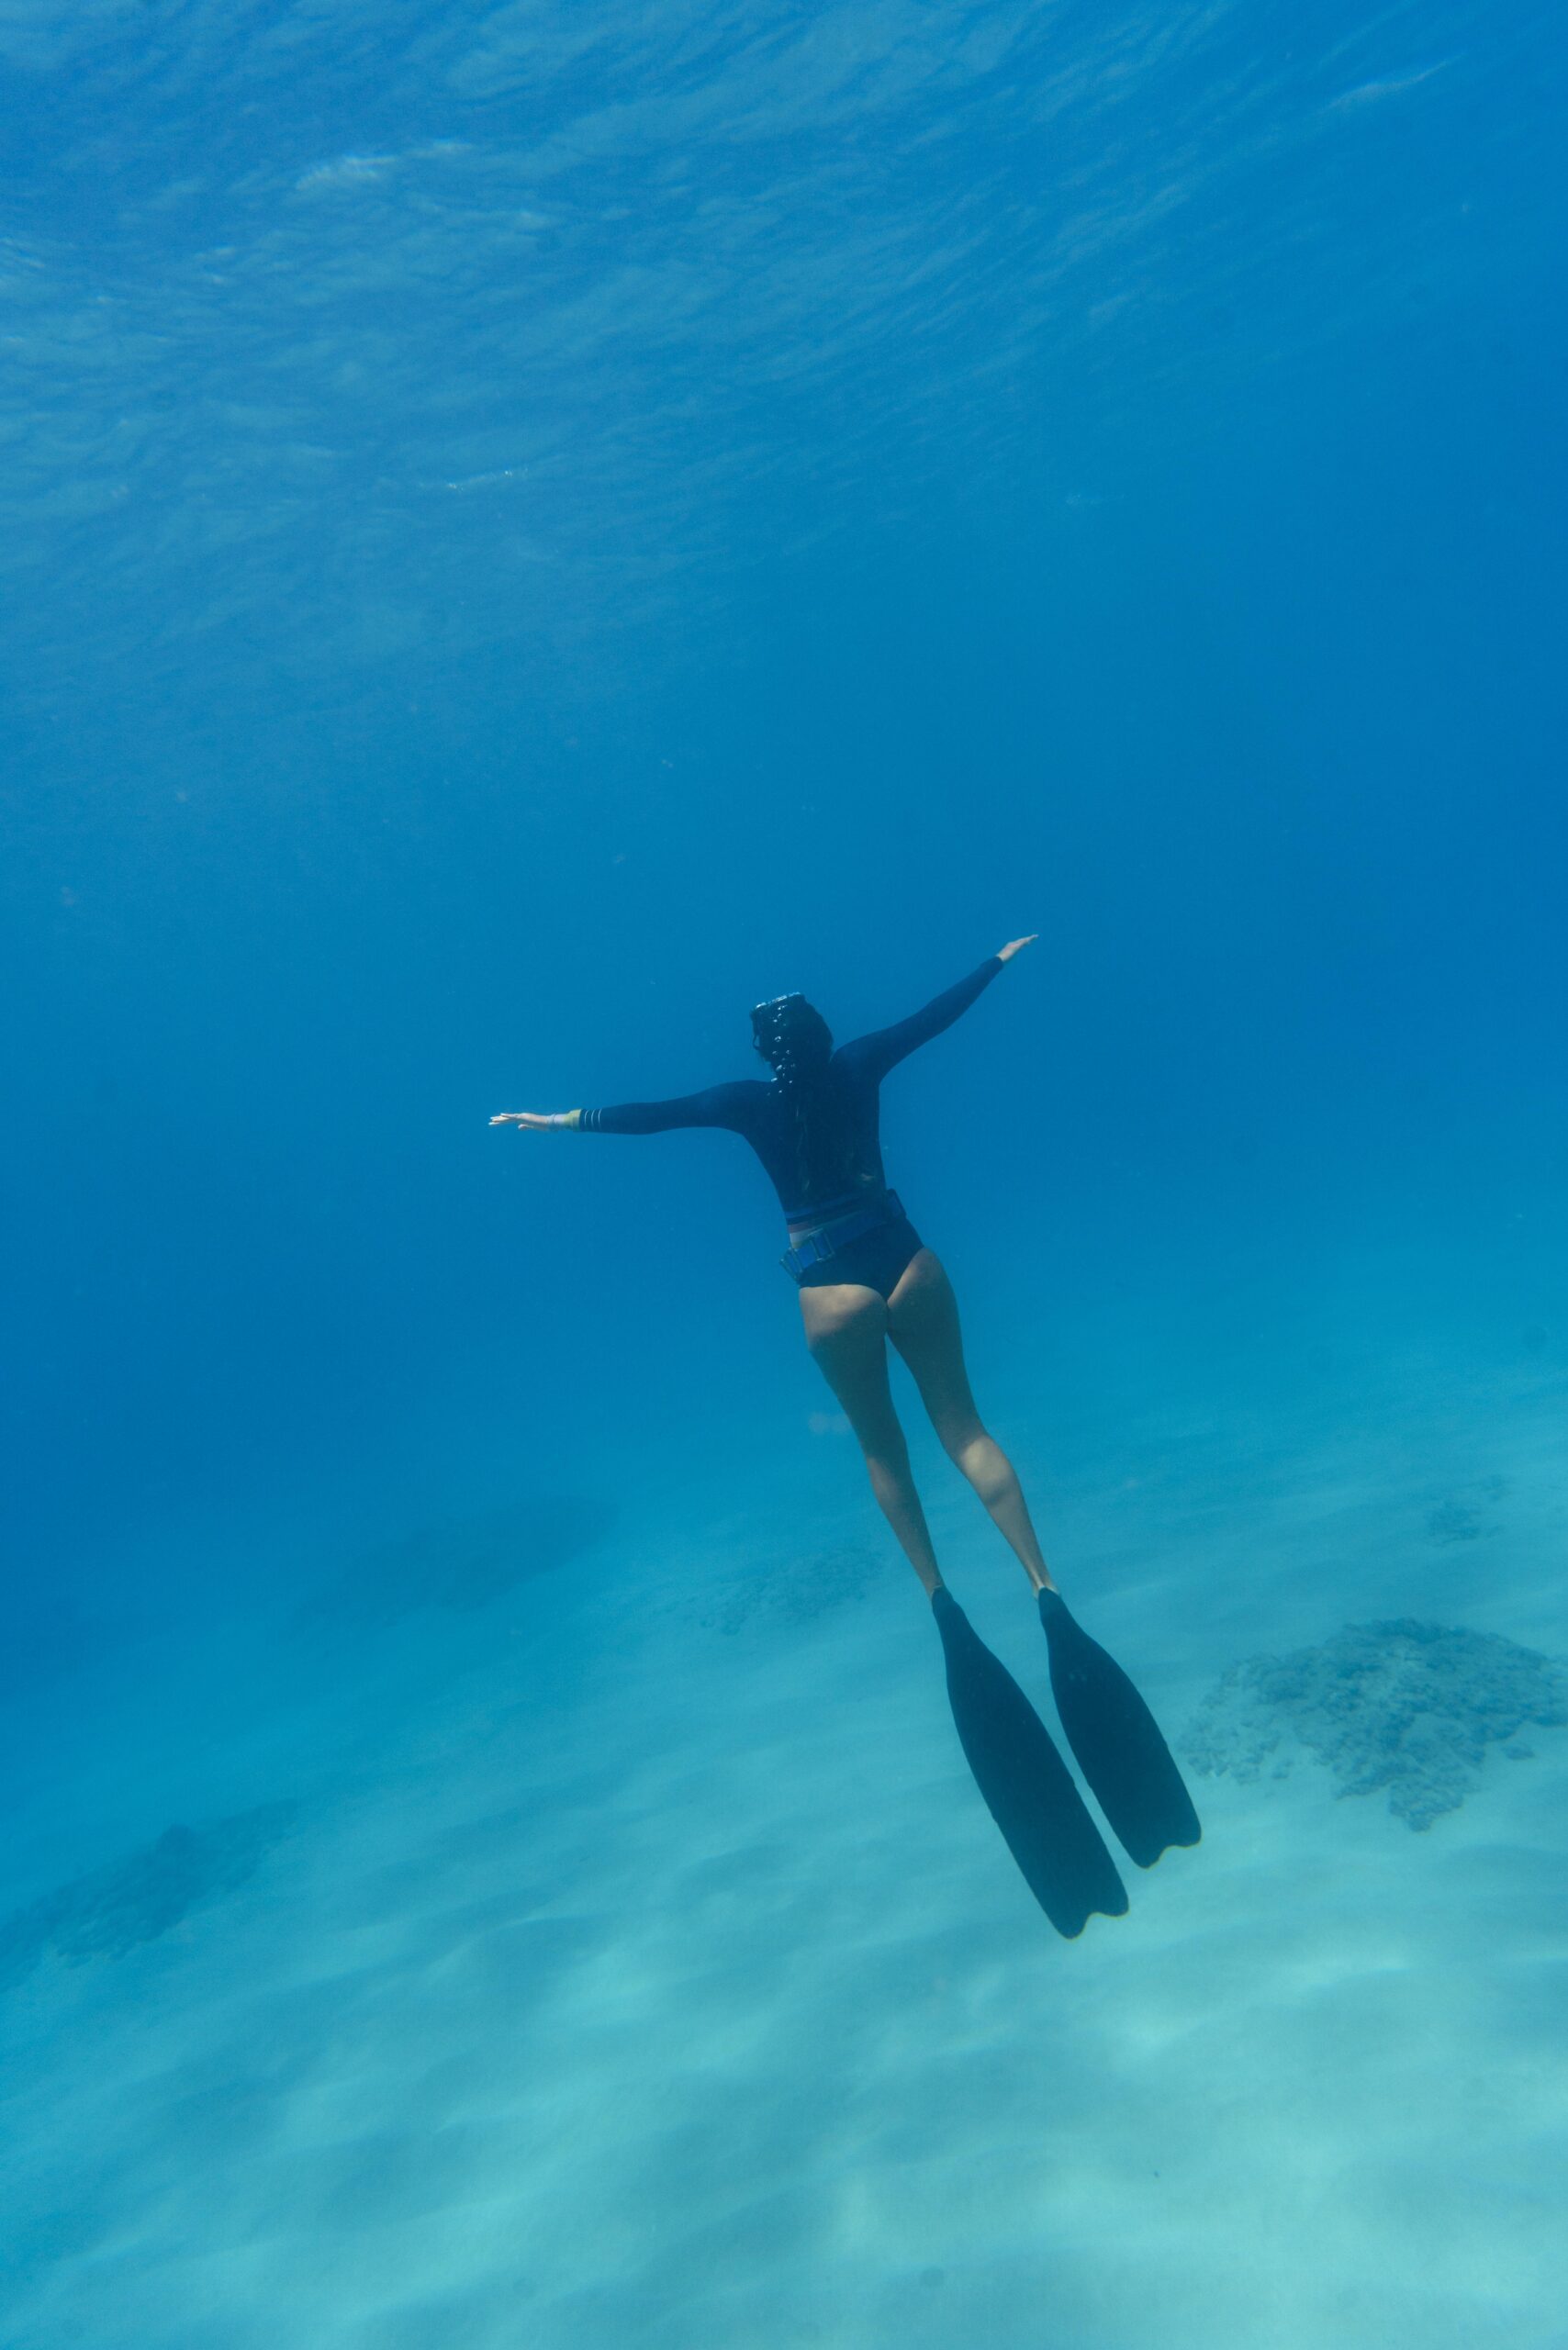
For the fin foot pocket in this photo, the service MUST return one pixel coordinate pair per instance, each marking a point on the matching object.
(1131, 1771)
(1027, 1787)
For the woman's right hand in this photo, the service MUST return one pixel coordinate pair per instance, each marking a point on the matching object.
(523, 1118)
(1005, 954)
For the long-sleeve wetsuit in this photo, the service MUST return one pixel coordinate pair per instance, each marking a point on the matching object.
(843, 1154)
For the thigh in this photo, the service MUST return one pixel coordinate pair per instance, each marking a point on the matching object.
(846, 1329)
(923, 1323)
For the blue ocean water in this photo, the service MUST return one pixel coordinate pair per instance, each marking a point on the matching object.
(524, 532)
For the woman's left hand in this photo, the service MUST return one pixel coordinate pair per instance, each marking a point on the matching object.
(1005, 954)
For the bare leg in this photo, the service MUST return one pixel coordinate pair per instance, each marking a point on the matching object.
(923, 1323)
(846, 1332)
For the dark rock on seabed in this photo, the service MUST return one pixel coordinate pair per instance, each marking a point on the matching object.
(458, 1568)
(107, 1913)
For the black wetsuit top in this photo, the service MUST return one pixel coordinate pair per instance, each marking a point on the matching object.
(844, 1156)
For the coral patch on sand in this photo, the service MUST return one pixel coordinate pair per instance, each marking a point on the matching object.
(1407, 1707)
(789, 1590)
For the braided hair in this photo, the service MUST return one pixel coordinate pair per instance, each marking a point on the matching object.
(796, 1044)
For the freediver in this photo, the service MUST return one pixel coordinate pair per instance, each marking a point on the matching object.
(863, 1277)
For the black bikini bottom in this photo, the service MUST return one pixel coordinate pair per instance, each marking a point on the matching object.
(873, 1261)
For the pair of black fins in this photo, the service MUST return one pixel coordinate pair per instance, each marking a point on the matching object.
(1028, 1789)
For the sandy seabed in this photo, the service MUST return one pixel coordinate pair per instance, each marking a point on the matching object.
(639, 1967)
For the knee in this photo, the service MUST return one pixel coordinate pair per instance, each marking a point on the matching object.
(887, 1455)
(961, 1440)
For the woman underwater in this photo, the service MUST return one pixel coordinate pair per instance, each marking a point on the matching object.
(865, 1277)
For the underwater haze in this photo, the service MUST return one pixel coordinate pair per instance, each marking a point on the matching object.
(524, 530)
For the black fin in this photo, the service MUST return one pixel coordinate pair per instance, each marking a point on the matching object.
(1028, 1788)
(1116, 1740)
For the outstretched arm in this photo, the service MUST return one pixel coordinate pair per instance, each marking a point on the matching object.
(539, 1121)
(885, 1047)
(720, 1105)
